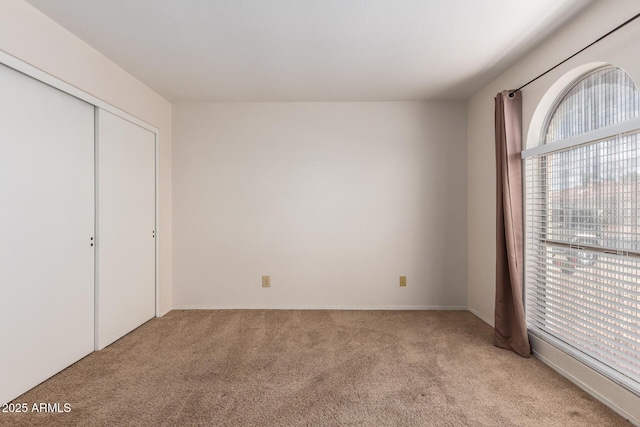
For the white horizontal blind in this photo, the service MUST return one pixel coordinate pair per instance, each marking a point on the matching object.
(582, 269)
(603, 98)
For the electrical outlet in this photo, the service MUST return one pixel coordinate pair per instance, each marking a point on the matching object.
(266, 281)
(403, 280)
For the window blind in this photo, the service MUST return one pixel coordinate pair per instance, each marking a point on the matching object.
(582, 269)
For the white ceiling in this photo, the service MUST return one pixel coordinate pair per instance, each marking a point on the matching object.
(312, 50)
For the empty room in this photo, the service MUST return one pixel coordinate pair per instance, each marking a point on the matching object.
(320, 213)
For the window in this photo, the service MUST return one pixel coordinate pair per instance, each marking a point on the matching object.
(582, 225)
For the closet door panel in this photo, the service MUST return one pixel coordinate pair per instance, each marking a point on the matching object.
(126, 227)
(46, 225)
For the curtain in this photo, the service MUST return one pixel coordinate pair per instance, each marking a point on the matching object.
(510, 330)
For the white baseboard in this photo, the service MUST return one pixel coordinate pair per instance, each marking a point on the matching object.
(162, 313)
(619, 399)
(311, 307)
(481, 317)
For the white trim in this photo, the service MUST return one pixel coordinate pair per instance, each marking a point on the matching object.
(46, 78)
(31, 71)
(96, 248)
(481, 317)
(315, 307)
(619, 399)
(165, 312)
(595, 135)
(157, 226)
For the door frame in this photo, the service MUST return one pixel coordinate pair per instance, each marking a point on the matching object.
(46, 78)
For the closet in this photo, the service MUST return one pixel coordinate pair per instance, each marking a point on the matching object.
(126, 227)
(77, 229)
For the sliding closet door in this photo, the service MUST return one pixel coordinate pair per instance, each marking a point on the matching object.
(46, 232)
(126, 227)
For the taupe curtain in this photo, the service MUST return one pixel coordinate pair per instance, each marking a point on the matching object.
(510, 326)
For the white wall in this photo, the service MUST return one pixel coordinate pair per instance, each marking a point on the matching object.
(333, 200)
(620, 49)
(30, 36)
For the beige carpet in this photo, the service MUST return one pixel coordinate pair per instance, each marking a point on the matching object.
(311, 368)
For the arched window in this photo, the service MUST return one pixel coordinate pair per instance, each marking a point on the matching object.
(582, 272)
(602, 98)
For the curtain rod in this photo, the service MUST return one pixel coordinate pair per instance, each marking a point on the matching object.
(578, 52)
